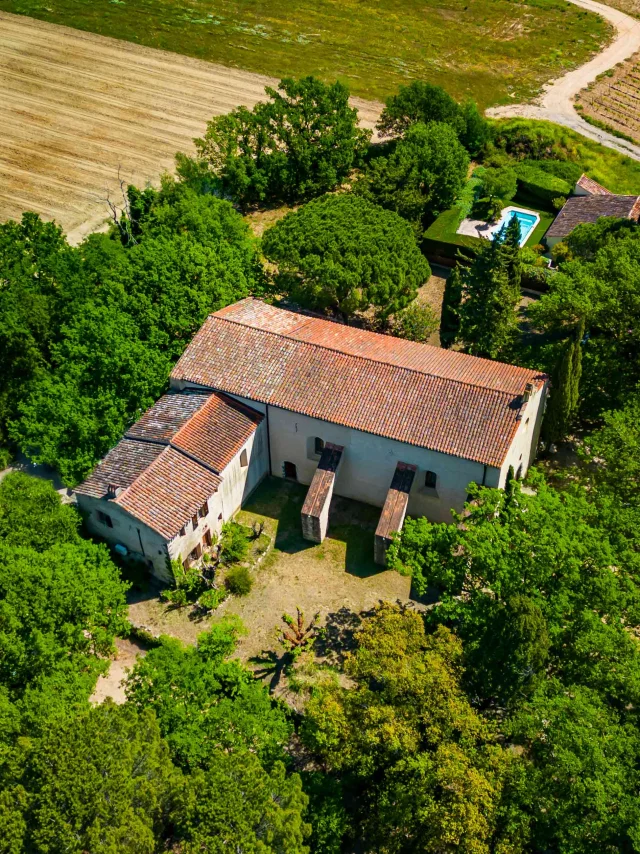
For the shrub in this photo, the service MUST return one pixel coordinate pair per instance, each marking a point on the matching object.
(416, 322)
(235, 543)
(239, 581)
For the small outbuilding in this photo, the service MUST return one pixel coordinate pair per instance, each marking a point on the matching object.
(589, 208)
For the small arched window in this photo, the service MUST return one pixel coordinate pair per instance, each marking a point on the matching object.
(430, 479)
(318, 445)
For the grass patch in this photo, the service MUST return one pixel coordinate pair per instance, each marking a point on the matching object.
(496, 51)
(614, 171)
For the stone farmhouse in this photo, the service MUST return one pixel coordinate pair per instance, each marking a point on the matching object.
(267, 391)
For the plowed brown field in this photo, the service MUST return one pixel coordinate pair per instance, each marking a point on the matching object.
(77, 109)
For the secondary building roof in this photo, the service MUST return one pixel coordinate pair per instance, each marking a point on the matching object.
(426, 396)
(591, 187)
(582, 209)
(169, 462)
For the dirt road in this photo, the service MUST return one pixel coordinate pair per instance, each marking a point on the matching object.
(76, 107)
(556, 102)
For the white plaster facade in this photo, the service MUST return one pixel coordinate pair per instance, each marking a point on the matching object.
(145, 544)
(369, 461)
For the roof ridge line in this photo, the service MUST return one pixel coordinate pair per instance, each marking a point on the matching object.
(370, 359)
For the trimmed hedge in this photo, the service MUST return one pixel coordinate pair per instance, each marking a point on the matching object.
(565, 169)
(539, 185)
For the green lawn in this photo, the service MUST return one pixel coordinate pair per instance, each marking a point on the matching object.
(496, 51)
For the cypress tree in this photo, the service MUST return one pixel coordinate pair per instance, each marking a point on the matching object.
(565, 389)
(491, 292)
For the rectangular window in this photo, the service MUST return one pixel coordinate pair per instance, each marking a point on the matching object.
(244, 460)
(183, 531)
(202, 512)
(194, 521)
(105, 519)
(318, 445)
(430, 479)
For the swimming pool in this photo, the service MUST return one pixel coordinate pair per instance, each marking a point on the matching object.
(528, 221)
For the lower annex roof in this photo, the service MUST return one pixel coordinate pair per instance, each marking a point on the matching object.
(170, 461)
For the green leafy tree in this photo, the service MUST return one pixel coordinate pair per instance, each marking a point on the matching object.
(105, 378)
(101, 781)
(424, 764)
(41, 279)
(205, 704)
(419, 102)
(422, 175)
(600, 286)
(533, 582)
(301, 143)
(235, 805)
(498, 186)
(581, 783)
(491, 292)
(424, 102)
(344, 253)
(130, 317)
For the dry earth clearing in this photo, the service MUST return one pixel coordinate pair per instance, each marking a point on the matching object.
(77, 108)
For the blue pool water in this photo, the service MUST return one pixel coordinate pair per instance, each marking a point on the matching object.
(528, 222)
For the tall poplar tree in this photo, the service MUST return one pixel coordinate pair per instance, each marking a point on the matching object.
(565, 388)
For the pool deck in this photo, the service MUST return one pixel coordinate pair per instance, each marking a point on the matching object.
(480, 228)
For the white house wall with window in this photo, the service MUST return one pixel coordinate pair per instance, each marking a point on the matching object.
(457, 418)
(181, 471)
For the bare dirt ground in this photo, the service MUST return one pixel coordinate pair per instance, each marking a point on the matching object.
(111, 683)
(556, 104)
(334, 578)
(76, 108)
(432, 293)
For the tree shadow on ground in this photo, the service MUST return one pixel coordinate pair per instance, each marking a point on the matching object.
(270, 663)
(337, 637)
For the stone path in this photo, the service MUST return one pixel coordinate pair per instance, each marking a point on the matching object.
(556, 102)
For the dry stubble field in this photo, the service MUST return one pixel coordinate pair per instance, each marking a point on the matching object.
(76, 108)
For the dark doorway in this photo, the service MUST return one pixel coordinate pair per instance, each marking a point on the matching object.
(290, 471)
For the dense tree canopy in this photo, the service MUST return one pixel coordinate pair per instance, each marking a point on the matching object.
(420, 177)
(342, 252)
(301, 143)
(121, 320)
(205, 704)
(425, 765)
(600, 286)
(424, 102)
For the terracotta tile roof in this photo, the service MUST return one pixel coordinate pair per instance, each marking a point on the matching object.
(162, 421)
(169, 492)
(169, 461)
(422, 395)
(592, 187)
(122, 465)
(395, 505)
(581, 209)
(215, 434)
